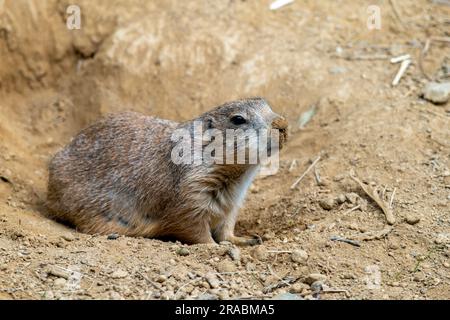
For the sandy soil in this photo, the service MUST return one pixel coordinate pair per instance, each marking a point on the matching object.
(175, 59)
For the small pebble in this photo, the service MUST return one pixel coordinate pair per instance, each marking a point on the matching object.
(442, 238)
(113, 295)
(327, 204)
(183, 252)
(58, 272)
(207, 296)
(352, 197)
(438, 93)
(48, 295)
(341, 199)
(68, 237)
(235, 253)
(412, 219)
(260, 253)
(313, 277)
(349, 276)
(299, 256)
(419, 277)
(268, 236)
(113, 236)
(299, 287)
(317, 286)
(118, 274)
(287, 296)
(226, 267)
(59, 282)
(212, 280)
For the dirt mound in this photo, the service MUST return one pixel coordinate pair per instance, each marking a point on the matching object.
(176, 59)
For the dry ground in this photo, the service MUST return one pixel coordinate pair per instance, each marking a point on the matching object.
(176, 59)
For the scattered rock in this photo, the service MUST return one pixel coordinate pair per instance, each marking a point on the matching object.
(340, 199)
(207, 296)
(113, 236)
(58, 272)
(394, 244)
(442, 238)
(327, 203)
(299, 287)
(287, 296)
(118, 274)
(260, 253)
(349, 276)
(446, 178)
(269, 235)
(313, 277)
(339, 177)
(212, 280)
(235, 253)
(113, 295)
(352, 197)
(226, 266)
(250, 266)
(68, 237)
(161, 278)
(17, 234)
(412, 219)
(48, 295)
(59, 282)
(168, 295)
(223, 295)
(437, 93)
(420, 277)
(299, 256)
(183, 252)
(317, 286)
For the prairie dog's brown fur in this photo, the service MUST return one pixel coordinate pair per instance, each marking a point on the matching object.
(117, 176)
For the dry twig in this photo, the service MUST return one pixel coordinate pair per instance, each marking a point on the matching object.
(345, 240)
(304, 173)
(423, 52)
(392, 198)
(352, 209)
(387, 211)
(401, 71)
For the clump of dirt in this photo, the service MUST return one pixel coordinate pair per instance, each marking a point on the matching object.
(323, 239)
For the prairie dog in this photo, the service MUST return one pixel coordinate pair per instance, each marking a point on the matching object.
(118, 176)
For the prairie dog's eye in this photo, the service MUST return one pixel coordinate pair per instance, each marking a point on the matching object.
(237, 120)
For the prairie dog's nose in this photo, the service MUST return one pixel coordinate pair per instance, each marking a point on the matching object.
(279, 123)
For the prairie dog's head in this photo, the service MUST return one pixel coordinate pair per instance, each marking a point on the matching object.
(245, 118)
